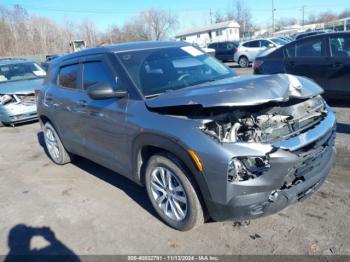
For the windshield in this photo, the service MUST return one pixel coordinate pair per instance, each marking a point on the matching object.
(279, 41)
(20, 71)
(156, 71)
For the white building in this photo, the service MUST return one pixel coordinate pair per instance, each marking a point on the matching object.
(219, 32)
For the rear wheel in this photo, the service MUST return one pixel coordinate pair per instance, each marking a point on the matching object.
(54, 146)
(172, 193)
(243, 62)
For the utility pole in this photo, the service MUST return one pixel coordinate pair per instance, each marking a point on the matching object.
(273, 16)
(211, 16)
(303, 15)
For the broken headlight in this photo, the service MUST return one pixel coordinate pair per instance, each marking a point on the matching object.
(245, 168)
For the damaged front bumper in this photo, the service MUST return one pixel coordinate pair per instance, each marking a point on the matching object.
(298, 167)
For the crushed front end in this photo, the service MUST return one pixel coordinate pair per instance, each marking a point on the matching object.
(295, 141)
(17, 108)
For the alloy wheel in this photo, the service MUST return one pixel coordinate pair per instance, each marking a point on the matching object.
(243, 62)
(52, 144)
(168, 193)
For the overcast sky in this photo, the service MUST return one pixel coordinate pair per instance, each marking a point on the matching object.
(190, 13)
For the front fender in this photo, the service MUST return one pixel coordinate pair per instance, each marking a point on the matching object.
(171, 145)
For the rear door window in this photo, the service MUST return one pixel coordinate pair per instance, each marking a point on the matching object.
(230, 46)
(310, 48)
(222, 46)
(252, 44)
(340, 46)
(96, 72)
(68, 76)
(290, 50)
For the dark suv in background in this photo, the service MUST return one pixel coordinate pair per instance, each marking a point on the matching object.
(325, 58)
(225, 51)
(203, 142)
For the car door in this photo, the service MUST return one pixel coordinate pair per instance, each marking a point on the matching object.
(265, 44)
(103, 121)
(339, 66)
(66, 99)
(230, 50)
(253, 49)
(221, 51)
(307, 57)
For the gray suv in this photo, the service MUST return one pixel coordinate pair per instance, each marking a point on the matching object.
(204, 142)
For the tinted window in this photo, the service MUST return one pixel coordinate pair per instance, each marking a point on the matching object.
(265, 43)
(252, 44)
(230, 46)
(310, 48)
(96, 72)
(212, 46)
(222, 46)
(68, 76)
(277, 54)
(290, 50)
(340, 46)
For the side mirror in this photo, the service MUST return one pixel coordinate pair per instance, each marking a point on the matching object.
(271, 45)
(101, 91)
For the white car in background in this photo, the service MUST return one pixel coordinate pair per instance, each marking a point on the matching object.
(249, 50)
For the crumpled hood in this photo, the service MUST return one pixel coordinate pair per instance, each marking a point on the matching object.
(20, 87)
(240, 91)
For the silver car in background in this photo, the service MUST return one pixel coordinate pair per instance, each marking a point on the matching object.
(18, 80)
(249, 50)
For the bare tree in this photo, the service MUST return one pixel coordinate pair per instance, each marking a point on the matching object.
(242, 15)
(88, 32)
(283, 22)
(218, 16)
(154, 24)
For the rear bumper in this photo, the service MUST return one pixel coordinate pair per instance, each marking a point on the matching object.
(295, 173)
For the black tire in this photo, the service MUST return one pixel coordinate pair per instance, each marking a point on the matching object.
(194, 215)
(63, 156)
(243, 62)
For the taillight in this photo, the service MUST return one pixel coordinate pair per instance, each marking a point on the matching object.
(257, 64)
(37, 92)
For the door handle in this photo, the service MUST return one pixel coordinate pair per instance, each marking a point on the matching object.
(82, 103)
(335, 65)
(291, 63)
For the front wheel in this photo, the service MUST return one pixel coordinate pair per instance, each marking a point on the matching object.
(172, 193)
(243, 62)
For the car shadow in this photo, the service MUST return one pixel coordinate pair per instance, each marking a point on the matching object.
(19, 243)
(133, 190)
(343, 128)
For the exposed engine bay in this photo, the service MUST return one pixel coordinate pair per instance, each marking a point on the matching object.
(264, 123)
(267, 125)
(23, 99)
